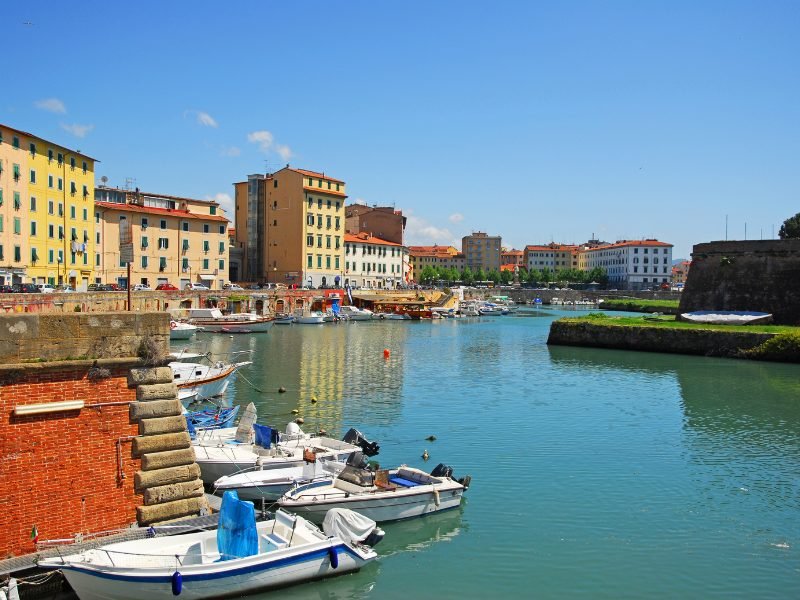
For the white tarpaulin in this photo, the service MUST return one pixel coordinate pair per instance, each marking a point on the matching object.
(347, 525)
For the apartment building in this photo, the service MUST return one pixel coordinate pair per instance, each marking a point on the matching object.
(446, 257)
(46, 207)
(175, 240)
(290, 227)
(373, 263)
(631, 264)
(383, 222)
(482, 251)
(512, 257)
(551, 256)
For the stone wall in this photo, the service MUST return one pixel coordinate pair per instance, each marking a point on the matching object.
(746, 275)
(704, 342)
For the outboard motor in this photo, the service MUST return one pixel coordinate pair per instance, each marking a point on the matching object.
(442, 470)
(355, 437)
(357, 460)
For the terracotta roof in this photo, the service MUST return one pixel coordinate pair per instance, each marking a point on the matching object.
(512, 253)
(315, 174)
(509, 267)
(433, 250)
(368, 239)
(183, 214)
(629, 243)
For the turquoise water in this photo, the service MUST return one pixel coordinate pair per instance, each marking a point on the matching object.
(595, 473)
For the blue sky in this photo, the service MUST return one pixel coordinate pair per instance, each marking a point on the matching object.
(536, 121)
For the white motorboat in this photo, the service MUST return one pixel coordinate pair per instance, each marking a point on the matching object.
(308, 317)
(727, 317)
(392, 316)
(240, 557)
(488, 310)
(383, 495)
(212, 319)
(202, 379)
(232, 450)
(469, 309)
(271, 484)
(283, 319)
(353, 313)
(181, 331)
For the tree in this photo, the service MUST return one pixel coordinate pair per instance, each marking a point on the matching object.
(790, 230)
(467, 276)
(506, 277)
(597, 275)
(427, 274)
(480, 275)
(493, 276)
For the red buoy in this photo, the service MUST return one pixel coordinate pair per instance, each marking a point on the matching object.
(386, 353)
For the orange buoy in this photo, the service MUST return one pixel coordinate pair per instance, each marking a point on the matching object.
(386, 353)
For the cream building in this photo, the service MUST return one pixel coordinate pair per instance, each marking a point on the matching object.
(631, 264)
(175, 240)
(482, 251)
(46, 207)
(290, 226)
(373, 263)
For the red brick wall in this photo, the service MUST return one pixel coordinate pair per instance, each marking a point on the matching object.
(59, 471)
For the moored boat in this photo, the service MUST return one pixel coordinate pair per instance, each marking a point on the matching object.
(181, 331)
(239, 558)
(202, 380)
(212, 320)
(308, 317)
(383, 495)
(727, 317)
(353, 313)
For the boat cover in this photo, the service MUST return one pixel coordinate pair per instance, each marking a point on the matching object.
(236, 536)
(347, 525)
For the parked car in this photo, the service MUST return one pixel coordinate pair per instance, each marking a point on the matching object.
(232, 287)
(45, 288)
(112, 287)
(65, 289)
(95, 287)
(141, 287)
(6, 289)
(197, 287)
(26, 288)
(166, 287)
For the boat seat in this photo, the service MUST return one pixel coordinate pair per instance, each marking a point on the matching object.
(275, 540)
(385, 486)
(402, 481)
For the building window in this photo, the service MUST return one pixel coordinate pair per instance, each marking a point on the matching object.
(205, 228)
(163, 243)
(222, 229)
(319, 261)
(319, 241)
(85, 214)
(309, 219)
(328, 221)
(49, 155)
(185, 245)
(17, 225)
(50, 181)
(60, 184)
(162, 264)
(309, 261)
(205, 264)
(319, 203)
(60, 159)
(50, 231)
(213, 210)
(33, 228)
(144, 262)
(337, 263)
(15, 142)
(222, 247)
(337, 223)
(97, 259)
(50, 256)
(221, 265)
(72, 188)
(185, 226)
(72, 163)
(17, 254)
(72, 212)
(15, 171)
(33, 176)
(185, 264)
(85, 167)
(144, 242)
(310, 241)
(206, 246)
(327, 262)
(163, 223)
(33, 203)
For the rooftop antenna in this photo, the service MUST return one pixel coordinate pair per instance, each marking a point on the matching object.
(129, 181)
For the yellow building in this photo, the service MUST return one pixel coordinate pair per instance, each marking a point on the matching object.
(290, 226)
(175, 240)
(46, 208)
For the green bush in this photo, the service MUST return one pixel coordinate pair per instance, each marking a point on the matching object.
(782, 347)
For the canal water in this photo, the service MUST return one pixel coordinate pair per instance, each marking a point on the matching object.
(595, 473)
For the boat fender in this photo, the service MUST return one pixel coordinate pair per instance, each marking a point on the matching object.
(172, 324)
(177, 583)
(334, 556)
(436, 500)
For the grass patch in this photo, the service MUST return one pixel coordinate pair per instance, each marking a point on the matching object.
(669, 322)
(637, 305)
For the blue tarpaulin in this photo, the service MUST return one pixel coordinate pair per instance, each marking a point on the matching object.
(263, 435)
(236, 536)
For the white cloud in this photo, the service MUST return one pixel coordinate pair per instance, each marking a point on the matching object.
(77, 130)
(205, 119)
(230, 151)
(266, 143)
(226, 203)
(456, 218)
(53, 105)
(263, 138)
(420, 232)
(284, 151)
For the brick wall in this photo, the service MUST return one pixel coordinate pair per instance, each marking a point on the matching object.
(59, 471)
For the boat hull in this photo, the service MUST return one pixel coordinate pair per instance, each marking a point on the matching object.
(389, 506)
(244, 326)
(219, 580)
(182, 334)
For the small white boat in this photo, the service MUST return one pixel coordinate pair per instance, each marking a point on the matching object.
(241, 557)
(212, 320)
(181, 331)
(353, 313)
(202, 379)
(727, 317)
(231, 450)
(391, 316)
(384, 495)
(283, 319)
(308, 317)
(271, 484)
(469, 309)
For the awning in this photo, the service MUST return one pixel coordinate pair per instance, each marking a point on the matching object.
(208, 277)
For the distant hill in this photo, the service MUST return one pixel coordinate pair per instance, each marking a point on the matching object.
(676, 261)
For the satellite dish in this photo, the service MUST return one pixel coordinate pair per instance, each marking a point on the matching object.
(104, 179)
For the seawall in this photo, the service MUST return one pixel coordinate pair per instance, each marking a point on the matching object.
(702, 342)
